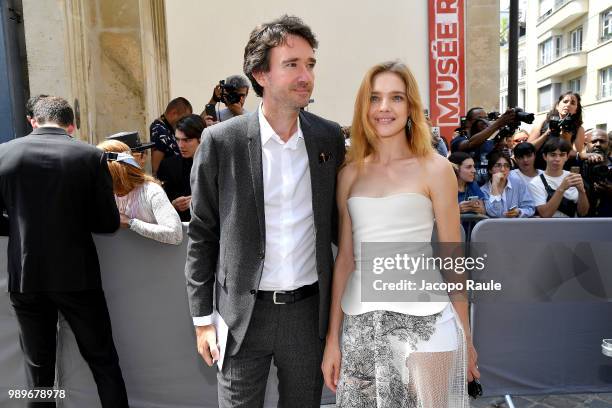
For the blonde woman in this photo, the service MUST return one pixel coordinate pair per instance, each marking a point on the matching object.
(394, 354)
(143, 205)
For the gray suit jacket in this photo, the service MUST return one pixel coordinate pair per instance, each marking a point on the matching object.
(227, 236)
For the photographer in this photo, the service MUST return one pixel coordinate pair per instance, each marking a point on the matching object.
(557, 192)
(233, 92)
(597, 174)
(564, 121)
(475, 140)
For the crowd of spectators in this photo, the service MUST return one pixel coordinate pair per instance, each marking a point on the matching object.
(556, 170)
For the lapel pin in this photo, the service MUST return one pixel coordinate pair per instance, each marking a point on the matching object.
(323, 157)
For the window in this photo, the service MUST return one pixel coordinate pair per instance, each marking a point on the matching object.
(550, 50)
(605, 82)
(546, 7)
(606, 25)
(503, 103)
(576, 40)
(522, 69)
(574, 85)
(544, 98)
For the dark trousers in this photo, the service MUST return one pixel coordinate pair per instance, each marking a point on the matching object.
(289, 334)
(87, 315)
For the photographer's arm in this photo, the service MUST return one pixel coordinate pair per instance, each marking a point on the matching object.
(479, 138)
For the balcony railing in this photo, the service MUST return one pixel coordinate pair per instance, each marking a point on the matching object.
(563, 53)
(558, 4)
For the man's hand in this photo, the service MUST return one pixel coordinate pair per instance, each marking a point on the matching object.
(181, 203)
(216, 95)
(573, 180)
(594, 158)
(603, 188)
(124, 221)
(508, 116)
(209, 120)
(206, 337)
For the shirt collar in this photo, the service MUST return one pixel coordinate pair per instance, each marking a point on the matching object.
(266, 132)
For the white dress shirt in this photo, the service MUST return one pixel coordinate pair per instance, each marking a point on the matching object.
(290, 260)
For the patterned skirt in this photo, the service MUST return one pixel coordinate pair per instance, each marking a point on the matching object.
(394, 360)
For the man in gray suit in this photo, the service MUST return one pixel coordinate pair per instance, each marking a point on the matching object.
(263, 218)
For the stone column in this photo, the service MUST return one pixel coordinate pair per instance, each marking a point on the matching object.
(107, 57)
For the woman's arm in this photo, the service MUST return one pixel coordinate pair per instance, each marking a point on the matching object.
(534, 135)
(343, 267)
(442, 191)
(168, 229)
(579, 145)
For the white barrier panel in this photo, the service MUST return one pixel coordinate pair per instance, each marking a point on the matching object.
(144, 284)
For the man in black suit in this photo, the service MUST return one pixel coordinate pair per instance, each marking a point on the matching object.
(56, 191)
(263, 211)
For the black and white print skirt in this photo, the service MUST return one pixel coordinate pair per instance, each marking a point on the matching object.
(395, 360)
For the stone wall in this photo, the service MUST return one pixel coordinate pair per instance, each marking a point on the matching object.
(94, 51)
(482, 53)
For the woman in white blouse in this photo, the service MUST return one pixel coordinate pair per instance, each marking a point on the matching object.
(143, 205)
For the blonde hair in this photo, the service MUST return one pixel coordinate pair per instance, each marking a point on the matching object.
(125, 177)
(363, 135)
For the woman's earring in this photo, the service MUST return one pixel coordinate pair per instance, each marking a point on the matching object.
(409, 126)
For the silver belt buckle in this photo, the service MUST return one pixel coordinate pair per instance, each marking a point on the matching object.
(274, 297)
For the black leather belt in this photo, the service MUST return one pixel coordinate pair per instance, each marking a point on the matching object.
(282, 297)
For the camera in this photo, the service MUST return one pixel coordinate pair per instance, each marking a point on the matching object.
(229, 94)
(556, 125)
(510, 128)
(598, 173)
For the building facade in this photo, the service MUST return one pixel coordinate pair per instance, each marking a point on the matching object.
(121, 61)
(567, 47)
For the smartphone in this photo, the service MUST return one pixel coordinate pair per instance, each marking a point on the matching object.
(210, 110)
(575, 169)
(473, 198)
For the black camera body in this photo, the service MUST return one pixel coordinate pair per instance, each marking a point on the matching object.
(229, 94)
(556, 125)
(598, 173)
(510, 129)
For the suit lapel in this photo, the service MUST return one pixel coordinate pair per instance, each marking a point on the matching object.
(313, 149)
(256, 170)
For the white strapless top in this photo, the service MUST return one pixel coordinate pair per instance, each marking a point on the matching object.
(402, 217)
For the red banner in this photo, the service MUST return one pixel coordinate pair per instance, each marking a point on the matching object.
(446, 64)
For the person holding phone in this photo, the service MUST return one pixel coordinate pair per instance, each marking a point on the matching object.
(470, 195)
(558, 192)
(506, 195)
